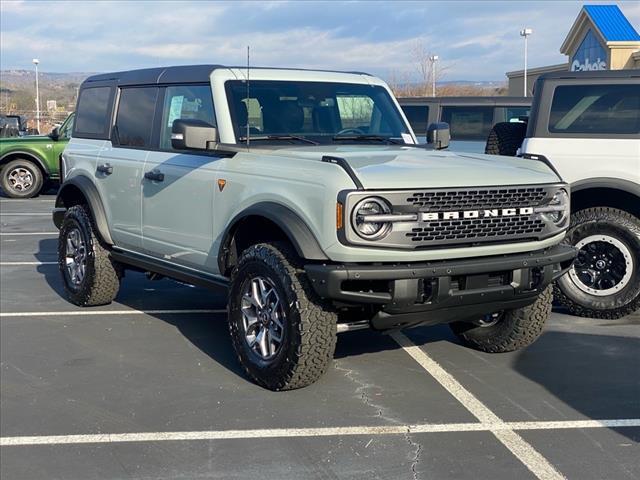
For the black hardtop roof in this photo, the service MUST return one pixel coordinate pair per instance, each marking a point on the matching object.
(174, 74)
(591, 74)
(465, 100)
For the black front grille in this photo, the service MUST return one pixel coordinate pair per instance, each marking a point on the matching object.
(478, 229)
(453, 200)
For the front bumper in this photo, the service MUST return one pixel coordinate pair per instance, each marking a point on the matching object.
(442, 291)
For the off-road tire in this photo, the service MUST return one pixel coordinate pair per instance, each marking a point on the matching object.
(505, 138)
(33, 169)
(516, 329)
(310, 327)
(102, 275)
(621, 225)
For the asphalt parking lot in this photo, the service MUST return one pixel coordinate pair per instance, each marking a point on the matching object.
(148, 387)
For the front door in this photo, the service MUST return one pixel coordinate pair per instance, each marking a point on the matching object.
(178, 191)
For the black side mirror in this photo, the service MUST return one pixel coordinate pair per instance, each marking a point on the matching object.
(191, 134)
(439, 135)
(55, 133)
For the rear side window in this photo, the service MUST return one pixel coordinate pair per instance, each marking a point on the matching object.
(185, 102)
(94, 112)
(418, 116)
(468, 123)
(515, 114)
(595, 109)
(135, 116)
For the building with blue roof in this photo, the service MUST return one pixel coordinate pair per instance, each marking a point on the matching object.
(601, 38)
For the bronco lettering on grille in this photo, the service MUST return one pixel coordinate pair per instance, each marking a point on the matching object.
(496, 212)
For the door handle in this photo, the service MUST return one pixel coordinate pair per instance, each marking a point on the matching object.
(155, 175)
(105, 168)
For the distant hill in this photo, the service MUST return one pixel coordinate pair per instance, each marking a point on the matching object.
(18, 89)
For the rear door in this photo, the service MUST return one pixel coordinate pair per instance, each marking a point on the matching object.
(177, 206)
(121, 163)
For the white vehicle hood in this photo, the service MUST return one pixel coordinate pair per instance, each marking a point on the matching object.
(390, 167)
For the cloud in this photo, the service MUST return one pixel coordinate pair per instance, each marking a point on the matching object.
(478, 40)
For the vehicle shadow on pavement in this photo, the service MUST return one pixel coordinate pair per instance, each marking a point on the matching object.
(596, 375)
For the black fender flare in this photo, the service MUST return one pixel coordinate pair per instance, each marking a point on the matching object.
(90, 193)
(296, 230)
(606, 182)
(27, 156)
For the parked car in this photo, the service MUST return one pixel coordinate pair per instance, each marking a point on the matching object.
(305, 196)
(586, 125)
(29, 163)
(470, 118)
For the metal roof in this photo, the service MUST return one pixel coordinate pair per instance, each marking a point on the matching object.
(593, 74)
(176, 74)
(468, 100)
(612, 23)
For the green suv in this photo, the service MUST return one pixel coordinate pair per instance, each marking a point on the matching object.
(28, 163)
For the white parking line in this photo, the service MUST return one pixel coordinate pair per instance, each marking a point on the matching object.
(529, 456)
(13, 200)
(16, 234)
(72, 313)
(310, 432)
(15, 264)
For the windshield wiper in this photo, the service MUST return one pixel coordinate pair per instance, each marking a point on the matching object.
(377, 138)
(278, 137)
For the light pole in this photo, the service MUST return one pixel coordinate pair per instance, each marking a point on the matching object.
(525, 32)
(36, 62)
(433, 59)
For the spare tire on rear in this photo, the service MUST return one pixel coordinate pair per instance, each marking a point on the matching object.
(505, 138)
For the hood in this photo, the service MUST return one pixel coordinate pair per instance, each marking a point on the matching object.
(28, 138)
(390, 167)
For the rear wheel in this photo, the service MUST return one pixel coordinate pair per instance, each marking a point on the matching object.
(604, 281)
(506, 138)
(89, 275)
(508, 330)
(283, 334)
(21, 179)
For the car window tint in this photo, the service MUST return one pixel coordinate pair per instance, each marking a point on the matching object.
(92, 117)
(595, 109)
(418, 116)
(185, 102)
(514, 114)
(135, 116)
(468, 123)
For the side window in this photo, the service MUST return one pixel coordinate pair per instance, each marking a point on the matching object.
(468, 123)
(135, 116)
(65, 131)
(514, 114)
(186, 102)
(595, 109)
(418, 116)
(94, 112)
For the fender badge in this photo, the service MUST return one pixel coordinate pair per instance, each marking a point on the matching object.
(221, 184)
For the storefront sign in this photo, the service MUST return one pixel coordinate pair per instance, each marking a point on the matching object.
(590, 55)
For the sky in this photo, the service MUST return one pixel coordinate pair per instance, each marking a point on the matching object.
(475, 40)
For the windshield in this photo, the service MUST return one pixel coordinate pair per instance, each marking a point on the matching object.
(318, 112)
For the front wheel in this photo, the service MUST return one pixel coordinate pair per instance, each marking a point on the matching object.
(21, 179)
(604, 281)
(508, 330)
(283, 334)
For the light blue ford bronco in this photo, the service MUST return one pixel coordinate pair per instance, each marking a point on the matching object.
(306, 196)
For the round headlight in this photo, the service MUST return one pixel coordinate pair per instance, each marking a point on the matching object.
(561, 201)
(364, 221)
